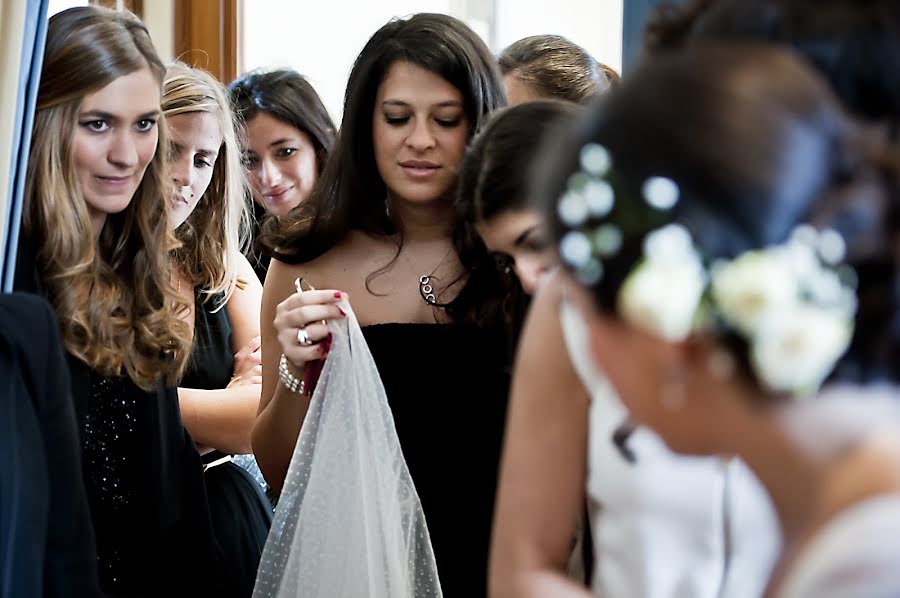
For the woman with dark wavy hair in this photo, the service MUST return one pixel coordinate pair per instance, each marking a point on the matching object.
(96, 217)
(288, 135)
(380, 228)
(494, 193)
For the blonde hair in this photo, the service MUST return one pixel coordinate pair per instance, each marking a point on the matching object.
(117, 308)
(218, 229)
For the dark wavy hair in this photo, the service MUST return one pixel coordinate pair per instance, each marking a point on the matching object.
(351, 195)
(494, 176)
(557, 68)
(494, 179)
(854, 44)
(757, 144)
(288, 96)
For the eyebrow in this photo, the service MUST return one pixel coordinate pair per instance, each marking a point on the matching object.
(445, 104)
(110, 116)
(521, 238)
(204, 152)
(281, 141)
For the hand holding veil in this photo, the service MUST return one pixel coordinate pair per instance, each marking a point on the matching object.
(349, 523)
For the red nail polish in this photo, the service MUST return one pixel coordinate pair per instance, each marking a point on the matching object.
(337, 294)
(342, 312)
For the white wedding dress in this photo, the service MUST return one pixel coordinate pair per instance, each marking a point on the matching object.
(667, 526)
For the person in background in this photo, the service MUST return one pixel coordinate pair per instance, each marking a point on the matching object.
(95, 218)
(219, 391)
(551, 66)
(494, 197)
(287, 136)
(380, 228)
(494, 192)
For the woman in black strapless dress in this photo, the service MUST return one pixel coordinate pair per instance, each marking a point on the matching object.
(433, 305)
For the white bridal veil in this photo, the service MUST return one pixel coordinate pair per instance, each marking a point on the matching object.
(349, 523)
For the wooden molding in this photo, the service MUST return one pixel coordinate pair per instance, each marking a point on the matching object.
(206, 36)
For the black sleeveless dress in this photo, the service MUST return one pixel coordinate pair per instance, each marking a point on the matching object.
(258, 259)
(447, 386)
(145, 489)
(143, 479)
(241, 513)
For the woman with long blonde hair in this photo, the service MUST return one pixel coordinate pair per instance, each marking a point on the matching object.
(219, 393)
(97, 227)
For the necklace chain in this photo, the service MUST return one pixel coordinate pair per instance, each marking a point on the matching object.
(426, 288)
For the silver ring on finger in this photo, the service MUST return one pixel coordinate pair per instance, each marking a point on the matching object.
(303, 338)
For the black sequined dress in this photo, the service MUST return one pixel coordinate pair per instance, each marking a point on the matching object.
(447, 386)
(144, 482)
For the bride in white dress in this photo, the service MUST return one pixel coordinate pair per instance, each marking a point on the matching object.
(717, 314)
(663, 525)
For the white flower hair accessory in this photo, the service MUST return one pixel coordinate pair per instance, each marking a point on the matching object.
(789, 302)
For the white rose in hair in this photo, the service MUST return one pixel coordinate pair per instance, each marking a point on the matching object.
(753, 285)
(661, 297)
(795, 349)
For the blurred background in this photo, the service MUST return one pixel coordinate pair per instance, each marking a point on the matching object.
(321, 39)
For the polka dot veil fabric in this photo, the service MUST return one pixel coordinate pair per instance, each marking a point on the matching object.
(349, 522)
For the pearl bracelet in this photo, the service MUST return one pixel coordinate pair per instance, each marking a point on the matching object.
(290, 381)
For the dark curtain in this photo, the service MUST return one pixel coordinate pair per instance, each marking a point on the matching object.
(635, 13)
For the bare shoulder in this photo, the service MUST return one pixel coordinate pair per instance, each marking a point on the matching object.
(279, 284)
(868, 470)
(343, 266)
(877, 460)
(542, 354)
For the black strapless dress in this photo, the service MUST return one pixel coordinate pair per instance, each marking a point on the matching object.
(447, 386)
(241, 513)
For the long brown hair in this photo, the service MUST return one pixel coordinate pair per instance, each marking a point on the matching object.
(117, 308)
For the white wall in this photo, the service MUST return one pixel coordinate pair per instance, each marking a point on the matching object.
(595, 25)
(310, 36)
(159, 16)
(56, 6)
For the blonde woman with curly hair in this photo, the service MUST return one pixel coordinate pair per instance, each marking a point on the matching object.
(96, 224)
(219, 393)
